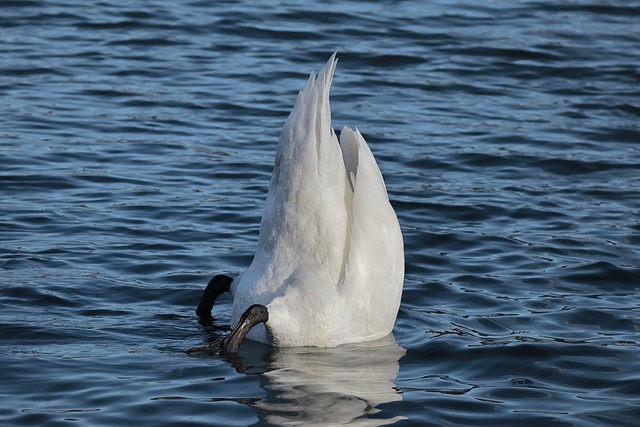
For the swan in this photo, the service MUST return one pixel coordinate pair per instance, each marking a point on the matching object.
(329, 265)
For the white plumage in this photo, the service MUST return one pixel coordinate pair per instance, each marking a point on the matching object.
(329, 265)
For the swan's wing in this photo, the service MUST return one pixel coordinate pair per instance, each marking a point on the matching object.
(304, 219)
(374, 272)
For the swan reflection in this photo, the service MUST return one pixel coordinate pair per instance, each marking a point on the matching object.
(312, 386)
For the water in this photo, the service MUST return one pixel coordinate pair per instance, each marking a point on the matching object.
(136, 145)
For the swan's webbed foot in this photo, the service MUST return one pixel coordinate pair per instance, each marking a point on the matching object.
(216, 287)
(251, 317)
(209, 349)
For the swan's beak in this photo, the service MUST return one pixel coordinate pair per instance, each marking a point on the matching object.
(251, 317)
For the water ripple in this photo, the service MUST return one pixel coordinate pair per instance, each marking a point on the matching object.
(137, 144)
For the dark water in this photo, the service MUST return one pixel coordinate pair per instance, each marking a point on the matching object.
(136, 145)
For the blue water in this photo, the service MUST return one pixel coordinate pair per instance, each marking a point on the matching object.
(136, 146)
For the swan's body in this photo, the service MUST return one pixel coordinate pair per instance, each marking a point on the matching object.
(329, 265)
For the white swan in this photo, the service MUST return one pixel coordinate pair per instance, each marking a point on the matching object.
(329, 266)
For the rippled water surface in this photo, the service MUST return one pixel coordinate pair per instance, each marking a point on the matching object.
(136, 145)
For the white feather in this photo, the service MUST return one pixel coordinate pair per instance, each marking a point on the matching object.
(329, 265)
